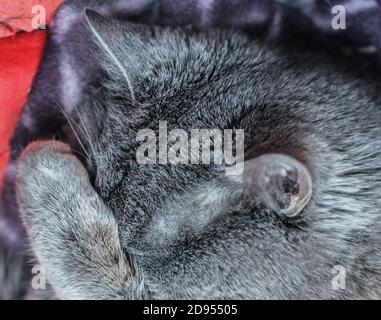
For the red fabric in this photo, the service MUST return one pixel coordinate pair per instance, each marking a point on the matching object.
(19, 58)
(18, 15)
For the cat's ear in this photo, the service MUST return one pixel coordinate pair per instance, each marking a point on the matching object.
(281, 182)
(120, 45)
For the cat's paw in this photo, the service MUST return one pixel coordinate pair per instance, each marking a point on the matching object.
(73, 233)
(44, 163)
(48, 175)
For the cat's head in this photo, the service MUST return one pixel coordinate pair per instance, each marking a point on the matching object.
(268, 216)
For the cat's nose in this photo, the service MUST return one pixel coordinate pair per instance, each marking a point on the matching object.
(281, 182)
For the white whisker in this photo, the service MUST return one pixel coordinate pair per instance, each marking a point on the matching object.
(74, 131)
(85, 131)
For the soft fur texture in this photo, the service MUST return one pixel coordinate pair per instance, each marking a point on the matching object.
(70, 228)
(189, 231)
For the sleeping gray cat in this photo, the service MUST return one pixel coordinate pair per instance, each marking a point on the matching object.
(107, 227)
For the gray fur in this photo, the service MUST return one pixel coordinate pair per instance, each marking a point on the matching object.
(70, 229)
(313, 109)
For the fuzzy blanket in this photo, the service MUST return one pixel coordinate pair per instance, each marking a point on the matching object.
(347, 27)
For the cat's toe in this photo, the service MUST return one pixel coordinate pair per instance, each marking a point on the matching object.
(46, 159)
(44, 165)
(45, 173)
